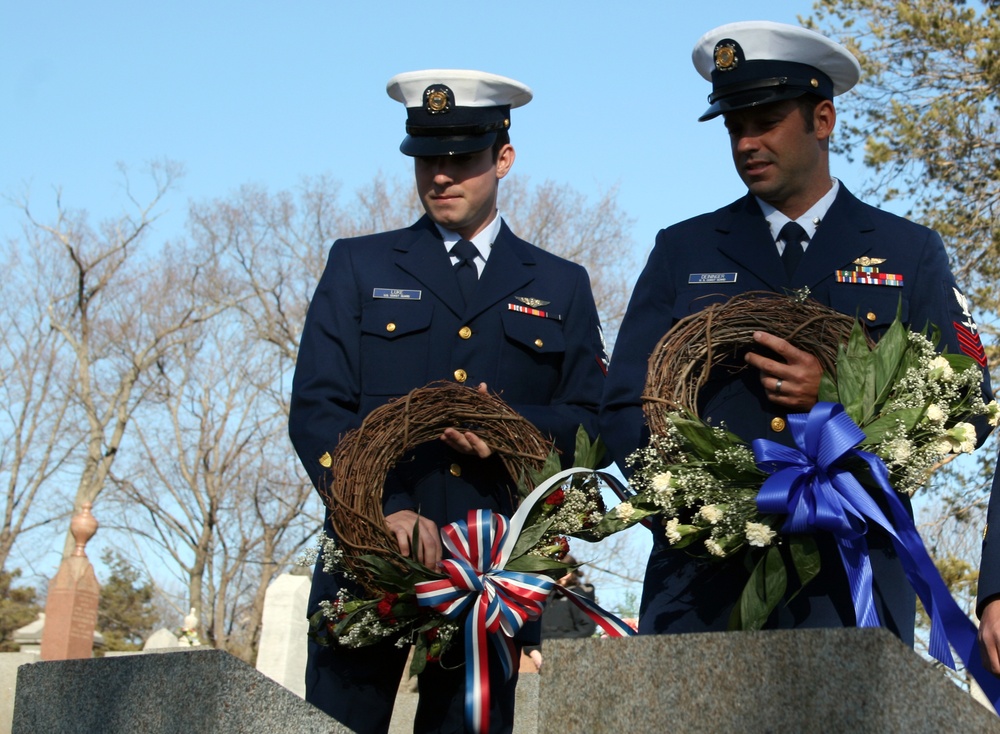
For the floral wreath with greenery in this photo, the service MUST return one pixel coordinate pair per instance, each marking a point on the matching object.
(913, 404)
(499, 572)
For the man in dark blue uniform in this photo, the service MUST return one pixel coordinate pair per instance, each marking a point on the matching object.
(797, 228)
(456, 296)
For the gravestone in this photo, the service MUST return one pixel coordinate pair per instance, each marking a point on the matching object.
(198, 690)
(162, 639)
(853, 681)
(281, 654)
(71, 605)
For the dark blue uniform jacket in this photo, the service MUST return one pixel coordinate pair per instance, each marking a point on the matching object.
(387, 317)
(682, 276)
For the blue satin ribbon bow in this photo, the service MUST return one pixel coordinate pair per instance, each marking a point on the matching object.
(811, 485)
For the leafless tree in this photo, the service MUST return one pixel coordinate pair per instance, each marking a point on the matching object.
(162, 370)
(219, 491)
(120, 311)
(37, 438)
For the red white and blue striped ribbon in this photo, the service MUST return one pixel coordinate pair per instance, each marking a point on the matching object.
(498, 601)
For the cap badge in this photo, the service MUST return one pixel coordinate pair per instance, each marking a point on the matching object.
(727, 57)
(438, 98)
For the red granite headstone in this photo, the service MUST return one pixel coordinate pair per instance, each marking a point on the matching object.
(71, 607)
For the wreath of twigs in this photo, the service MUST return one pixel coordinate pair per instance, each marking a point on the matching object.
(363, 458)
(721, 334)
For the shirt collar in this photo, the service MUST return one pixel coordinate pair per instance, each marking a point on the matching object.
(483, 241)
(809, 220)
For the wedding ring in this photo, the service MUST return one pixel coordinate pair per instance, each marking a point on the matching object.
(777, 387)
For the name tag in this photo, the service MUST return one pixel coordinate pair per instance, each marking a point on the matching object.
(396, 293)
(711, 278)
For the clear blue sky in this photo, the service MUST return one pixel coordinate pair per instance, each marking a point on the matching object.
(266, 93)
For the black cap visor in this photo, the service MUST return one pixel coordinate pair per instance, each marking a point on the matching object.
(753, 98)
(432, 145)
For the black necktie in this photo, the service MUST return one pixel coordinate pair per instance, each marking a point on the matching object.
(793, 236)
(465, 268)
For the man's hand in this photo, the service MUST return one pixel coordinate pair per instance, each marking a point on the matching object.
(989, 636)
(401, 525)
(792, 384)
(536, 658)
(467, 442)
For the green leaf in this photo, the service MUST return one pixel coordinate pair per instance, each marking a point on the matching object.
(551, 467)
(877, 429)
(611, 523)
(587, 454)
(888, 357)
(762, 592)
(689, 534)
(805, 559)
(699, 436)
(959, 362)
(529, 538)
(419, 660)
(415, 540)
(598, 450)
(855, 387)
(828, 392)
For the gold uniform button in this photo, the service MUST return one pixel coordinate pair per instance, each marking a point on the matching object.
(777, 424)
(465, 332)
(390, 326)
(461, 376)
(870, 316)
(326, 461)
(455, 470)
(539, 343)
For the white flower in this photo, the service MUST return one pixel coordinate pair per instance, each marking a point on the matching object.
(941, 369)
(662, 482)
(711, 514)
(941, 446)
(673, 535)
(898, 450)
(714, 548)
(759, 535)
(963, 436)
(993, 413)
(935, 414)
(624, 511)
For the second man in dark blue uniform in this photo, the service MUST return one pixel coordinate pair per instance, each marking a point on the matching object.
(456, 296)
(796, 229)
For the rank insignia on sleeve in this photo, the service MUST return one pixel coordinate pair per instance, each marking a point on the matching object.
(967, 331)
(866, 272)
(534, 312)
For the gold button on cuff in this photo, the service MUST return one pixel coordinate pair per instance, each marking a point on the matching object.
(326, 461)
(465, 332)
(539, 343)
(461, 376)
(390, 326)
(777, 424)
(455, 470)
(870, 316)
